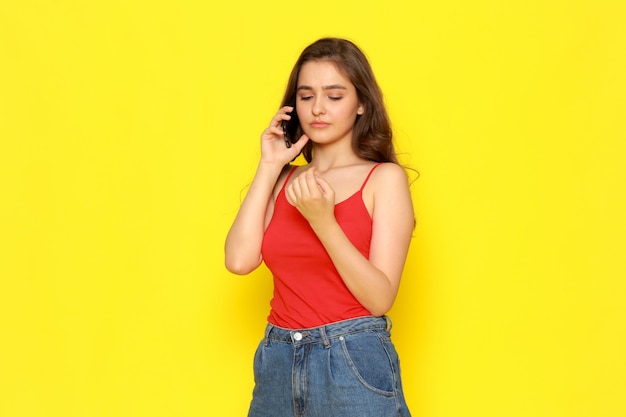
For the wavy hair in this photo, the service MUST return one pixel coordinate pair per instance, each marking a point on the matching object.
(372, 134)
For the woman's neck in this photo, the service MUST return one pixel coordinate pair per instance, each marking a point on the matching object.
(326, 157)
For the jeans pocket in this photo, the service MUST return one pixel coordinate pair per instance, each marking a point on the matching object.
(370, 361)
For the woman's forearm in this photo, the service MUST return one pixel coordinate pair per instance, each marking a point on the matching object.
(245, 237)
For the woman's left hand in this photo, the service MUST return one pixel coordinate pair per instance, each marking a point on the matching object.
(313, 197)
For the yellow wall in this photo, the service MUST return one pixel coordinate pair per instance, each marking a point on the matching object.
(129, 130)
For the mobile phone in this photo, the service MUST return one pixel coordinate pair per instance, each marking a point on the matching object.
(290, 127)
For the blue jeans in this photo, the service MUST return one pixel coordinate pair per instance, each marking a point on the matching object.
(345, 369)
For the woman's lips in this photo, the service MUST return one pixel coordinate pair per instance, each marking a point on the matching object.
(319, 124)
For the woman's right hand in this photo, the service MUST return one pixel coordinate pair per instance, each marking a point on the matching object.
(273, 147)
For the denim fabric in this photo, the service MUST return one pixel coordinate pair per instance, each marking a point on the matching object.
(347, 369)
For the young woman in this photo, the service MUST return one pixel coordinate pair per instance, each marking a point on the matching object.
(335, 233)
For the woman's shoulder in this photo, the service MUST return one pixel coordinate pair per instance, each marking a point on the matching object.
(386, 174)
(287, 171)
(388, 181)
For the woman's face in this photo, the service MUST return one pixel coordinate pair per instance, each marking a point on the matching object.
(327, 102)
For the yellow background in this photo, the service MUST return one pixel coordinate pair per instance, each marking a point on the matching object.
(129, 131)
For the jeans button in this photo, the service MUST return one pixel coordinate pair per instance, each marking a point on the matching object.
(297, 336)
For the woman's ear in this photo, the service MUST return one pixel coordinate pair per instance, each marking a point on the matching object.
(360, 110)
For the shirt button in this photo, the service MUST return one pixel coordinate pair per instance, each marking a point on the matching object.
(297, 336)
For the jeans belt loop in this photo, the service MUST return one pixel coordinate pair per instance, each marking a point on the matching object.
(324, 337)
(268, 329)
(389, 323)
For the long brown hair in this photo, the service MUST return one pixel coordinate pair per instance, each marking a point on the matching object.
(372, 134)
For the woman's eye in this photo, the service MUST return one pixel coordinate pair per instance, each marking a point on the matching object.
(305, 98)
(335, 98)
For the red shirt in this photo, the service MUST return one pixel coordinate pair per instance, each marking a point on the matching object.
(308, 290)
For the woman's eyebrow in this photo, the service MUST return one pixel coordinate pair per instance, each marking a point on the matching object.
(326, 87)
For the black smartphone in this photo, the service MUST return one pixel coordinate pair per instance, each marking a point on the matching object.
(290, 127)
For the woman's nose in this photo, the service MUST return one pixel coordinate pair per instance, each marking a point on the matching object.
(318, 107)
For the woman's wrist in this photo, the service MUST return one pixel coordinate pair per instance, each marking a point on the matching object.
(269, 170)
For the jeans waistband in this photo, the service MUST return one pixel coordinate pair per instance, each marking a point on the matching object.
(325, 333)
